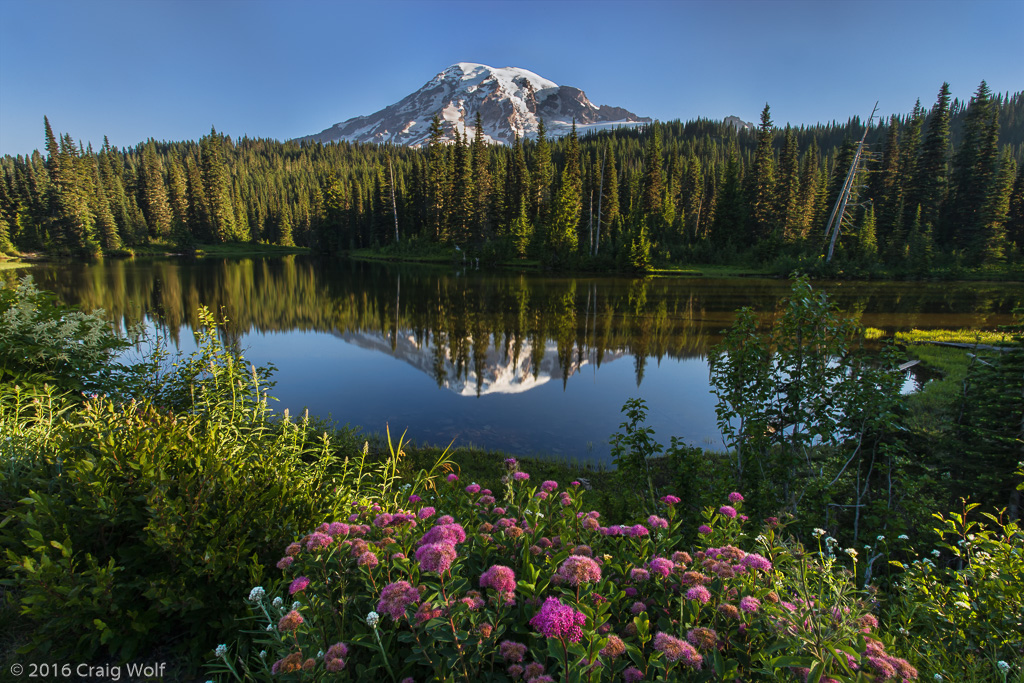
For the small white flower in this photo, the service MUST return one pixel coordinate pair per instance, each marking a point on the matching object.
(270, 627)
(221, 650)
(371, 619)
(263, 654)
(296, 605)
(761, 539)
(277, 602)
(1004, 668)
(831, 542)
(851, 552)
(935, 552)
(938, 677)
(818, 533)
(256, 594)
(320, 654)
(970, 537)
(904, 537)
(904, 631)
(880, 538)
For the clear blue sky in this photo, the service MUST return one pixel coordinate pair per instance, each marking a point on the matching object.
(171, 69)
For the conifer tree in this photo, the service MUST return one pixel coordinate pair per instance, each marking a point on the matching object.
(563, 238)
(932, 174)
(693, 198)
(463, 226)
(1015, 218)
(653, 182)
(437, 182)
(610, 194)
(809, 180)
(867, 242)
(155, 204)
(788, 207)
(481, 178)
(217, 188)
(761, 181)
(522, 230)
(974, 169)
(730, 212)
(888, 191)
(541, 176)
(996, 213)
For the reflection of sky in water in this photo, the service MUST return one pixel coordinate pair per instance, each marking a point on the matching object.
(369, 388)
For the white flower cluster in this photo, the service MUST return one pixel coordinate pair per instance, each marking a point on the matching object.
(371, 619)
(818, 533)
(257, 594)
(221, 650)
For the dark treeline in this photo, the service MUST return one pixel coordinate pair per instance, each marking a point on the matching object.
(941, 188)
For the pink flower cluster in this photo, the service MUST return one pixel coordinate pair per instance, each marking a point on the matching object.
(396, 598)
(502, 580)
(579, 569)
(677, 650)
(334, 657)
(555, 620)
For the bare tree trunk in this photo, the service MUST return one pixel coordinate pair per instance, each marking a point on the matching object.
(394, 205)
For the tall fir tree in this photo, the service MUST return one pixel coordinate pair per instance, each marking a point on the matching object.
(761, 182)
(788, 209)
(541, 176)
(932, 172)
(974, 167)
(217, 188)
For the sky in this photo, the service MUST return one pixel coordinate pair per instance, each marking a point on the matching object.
(172, 69)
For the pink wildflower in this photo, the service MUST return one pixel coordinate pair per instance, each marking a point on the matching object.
(436, 557)
(632, 675)
(704, 638)
(338, 529)
(534, 669)
(473, 488)
(657, 522)
(396, 598)
(637, 530)
(638, 574)
(414, 498)
(318, 540)
(728, 610)
(543, 495)
(698, 593)
(290, 621)
(298, 584)
(736, 497)
(549, 486)
(637, 607)
(452, 478)
(446, 519)
(579, 569)
(368, 560)
(337, 650)
(556, 620)
(512, 651)
(755, 561)
(614, 648)
(574, 483)
(727, 511)
(704, 529)
(677, 650)
(749, 604)
(669, 500)
(521, 476)
(293, 549)
(426, 512)
(285, 562)
(487, 499)
(501, 579)
(661, 566)
(444, 533)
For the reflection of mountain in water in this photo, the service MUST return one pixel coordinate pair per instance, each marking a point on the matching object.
(498, 371)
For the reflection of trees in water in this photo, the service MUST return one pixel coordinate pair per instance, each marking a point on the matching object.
(465, 317)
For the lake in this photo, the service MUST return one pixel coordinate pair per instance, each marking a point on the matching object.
(528, 364)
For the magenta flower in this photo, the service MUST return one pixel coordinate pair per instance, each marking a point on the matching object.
(368, 560)
(704, 529)
(318, 539)
(698, 593)
(727, 511)
(677, 650)
(556, 620)
(549, 486)
(637, 607)
(736, 497)
(574, 483)
(579, 569)
(755, 561)
(383, 519)
(638, 574)
(512, 651)
(632, 675)
(637, 530)
(511, 462)
(426, 512)
(298, 584)
(501, 579)
(444, 533)
(337, 650)
(669, 500)
(521, 476)
(337, 529)
(657, 522)
(473, 488)
(285, 562)
(661, 566)
(543, 495)
(749, 604)
(396, 597)
(452, 478)
(487, 499)
(414, 498)
(436, 557)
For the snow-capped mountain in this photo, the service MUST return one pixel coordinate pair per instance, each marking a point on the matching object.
(510, 101)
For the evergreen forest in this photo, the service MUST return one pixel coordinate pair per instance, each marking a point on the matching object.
(939, 190)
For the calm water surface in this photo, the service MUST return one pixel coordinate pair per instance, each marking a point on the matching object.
(523, 363)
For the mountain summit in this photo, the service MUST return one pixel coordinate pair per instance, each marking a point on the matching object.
(510, 101)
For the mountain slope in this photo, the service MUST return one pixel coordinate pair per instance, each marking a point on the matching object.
(510, 101)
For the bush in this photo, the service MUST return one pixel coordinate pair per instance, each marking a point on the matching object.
(527, 584)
